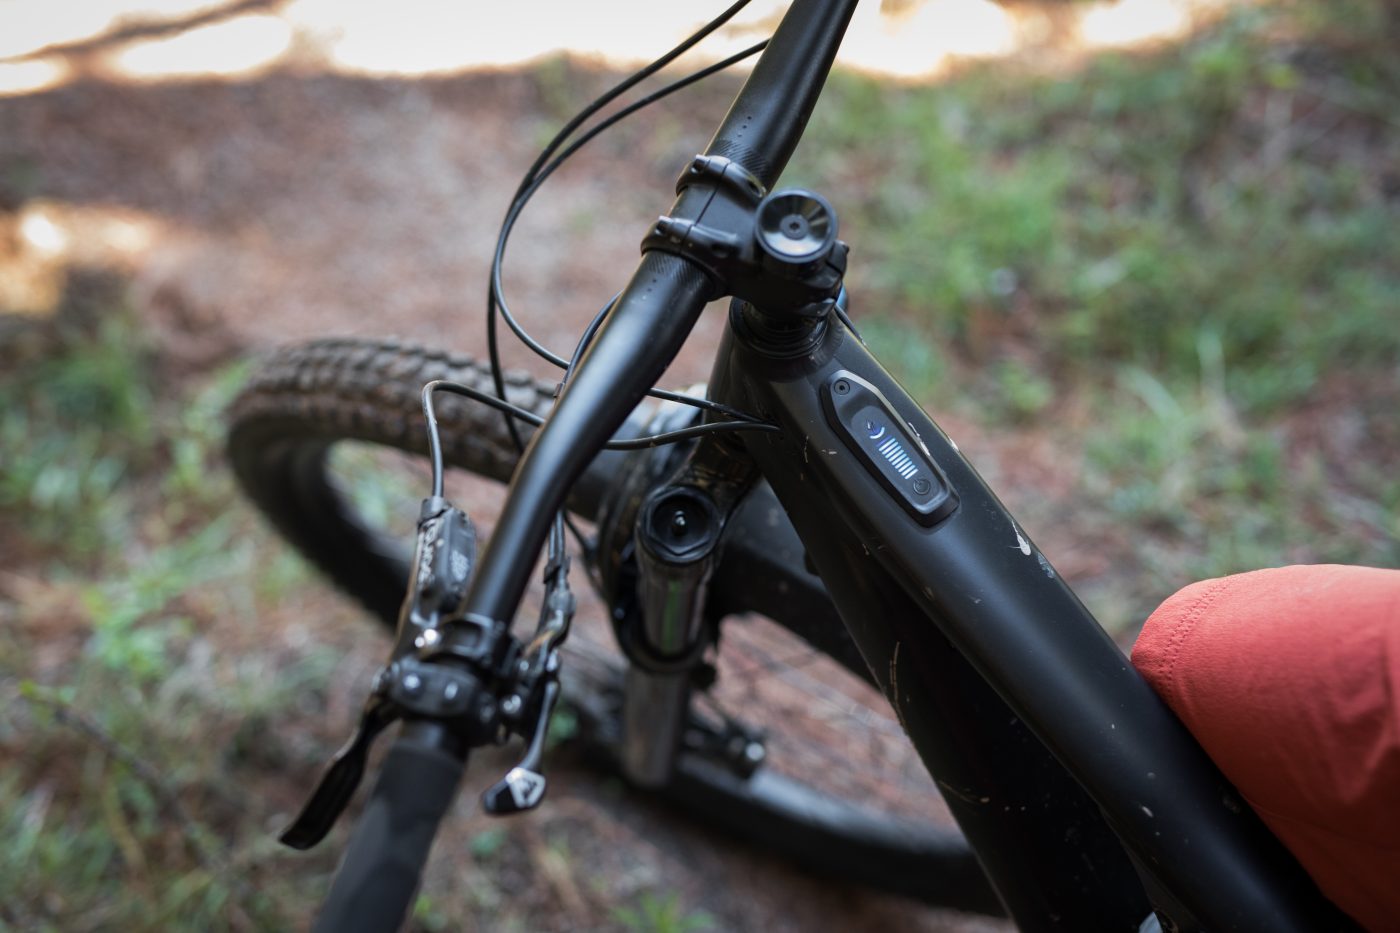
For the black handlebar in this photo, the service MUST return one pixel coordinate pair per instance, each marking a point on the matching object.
(376, 882)
(766, 120)
(642, 334)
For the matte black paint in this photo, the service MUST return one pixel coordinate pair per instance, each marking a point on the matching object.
(946, 615)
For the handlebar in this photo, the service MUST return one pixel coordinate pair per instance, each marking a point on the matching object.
(649, 322)
(766, 120)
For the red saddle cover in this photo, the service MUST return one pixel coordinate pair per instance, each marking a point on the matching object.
(1290, 679)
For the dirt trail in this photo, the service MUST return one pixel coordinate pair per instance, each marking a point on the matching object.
(299, 205)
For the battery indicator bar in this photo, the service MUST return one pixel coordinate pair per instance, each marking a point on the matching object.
(888, 448)
(893, 451)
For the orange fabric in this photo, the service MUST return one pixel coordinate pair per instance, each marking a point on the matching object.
(1290, 679)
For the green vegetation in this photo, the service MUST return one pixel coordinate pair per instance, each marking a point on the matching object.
(170, 680)
(79, 424)
(1235, 185)
(132, 747)
(653, 914)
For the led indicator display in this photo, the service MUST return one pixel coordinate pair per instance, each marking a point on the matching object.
(893, 451)
(888, 448)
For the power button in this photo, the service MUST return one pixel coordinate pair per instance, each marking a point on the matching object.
(887, 448)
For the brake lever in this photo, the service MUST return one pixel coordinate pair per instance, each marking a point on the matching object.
(340, 780)
(412, 685)
(443, 557)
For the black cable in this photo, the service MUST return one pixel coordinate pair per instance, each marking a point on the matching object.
(561, 519)
(585, 546)
(586, 339)
(496, 297)
(434, 438)
(663, 394)
(695, 430)
(695, 401)
(545, 165)
(556, 563)
(608, 97)
(529, 417)
(540, 171)
(625, 85)
(498, 301)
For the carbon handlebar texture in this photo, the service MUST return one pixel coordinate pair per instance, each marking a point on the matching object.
(766, 120)
(378, 878)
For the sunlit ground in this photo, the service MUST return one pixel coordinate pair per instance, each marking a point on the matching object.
(43, 43)
(48, 237)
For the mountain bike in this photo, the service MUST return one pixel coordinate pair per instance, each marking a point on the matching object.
(804, 499)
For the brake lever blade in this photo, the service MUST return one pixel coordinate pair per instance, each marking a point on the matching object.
(339, 781)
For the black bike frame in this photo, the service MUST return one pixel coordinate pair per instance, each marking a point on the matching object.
(1048, 747)
(1082, 795)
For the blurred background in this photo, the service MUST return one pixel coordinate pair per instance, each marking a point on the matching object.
(1142, 259)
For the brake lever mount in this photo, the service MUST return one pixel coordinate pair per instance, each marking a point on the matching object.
(467, 672)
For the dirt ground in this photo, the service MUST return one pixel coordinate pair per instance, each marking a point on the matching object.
(296, 205)
(243, 215)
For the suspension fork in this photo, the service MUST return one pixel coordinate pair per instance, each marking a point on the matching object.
(660, 542)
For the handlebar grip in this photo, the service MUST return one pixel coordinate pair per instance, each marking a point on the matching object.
(378, 878)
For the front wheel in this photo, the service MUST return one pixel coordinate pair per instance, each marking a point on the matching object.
(328, 441)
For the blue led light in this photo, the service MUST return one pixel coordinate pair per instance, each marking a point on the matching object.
(893, 452)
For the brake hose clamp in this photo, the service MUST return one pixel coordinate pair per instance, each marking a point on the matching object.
(721, 171)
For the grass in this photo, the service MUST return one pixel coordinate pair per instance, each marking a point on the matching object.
(134, 749)
(1119, 213)
(81, 421)
(1177, 271)
(655, 914)
(169, 681)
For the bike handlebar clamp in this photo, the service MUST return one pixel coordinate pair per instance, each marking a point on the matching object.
(777, 250)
